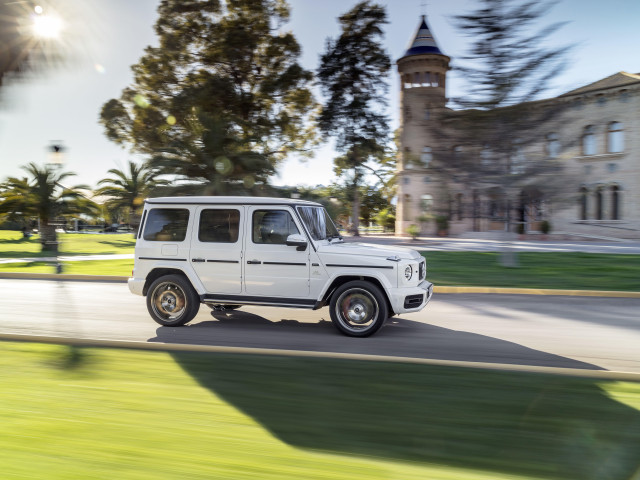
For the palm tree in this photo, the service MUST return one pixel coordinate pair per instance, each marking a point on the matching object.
(126, 190)
(44, 197)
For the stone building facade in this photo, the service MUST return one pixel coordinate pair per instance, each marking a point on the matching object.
(596, 140)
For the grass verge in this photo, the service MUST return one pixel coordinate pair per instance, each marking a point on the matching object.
(571, 271)
(70, 412)
(89, 267)
(13, 245)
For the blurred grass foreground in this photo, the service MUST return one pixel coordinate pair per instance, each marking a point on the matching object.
(71, 412)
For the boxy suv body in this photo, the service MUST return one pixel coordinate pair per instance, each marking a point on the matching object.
(232, 251)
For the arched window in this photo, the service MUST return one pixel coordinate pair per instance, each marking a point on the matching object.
(615, 138)
(426, 157)
(406, 208)
(589, 146)
(435, 79)
(426, 79)
(459, 206)
(426, 203)
(553, 145)
(582, 203)
(416, 79)
(599, 200)
(615, 202)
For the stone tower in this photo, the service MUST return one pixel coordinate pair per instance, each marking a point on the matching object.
(423, 74)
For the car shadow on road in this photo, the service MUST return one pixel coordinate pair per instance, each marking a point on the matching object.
(399, 337)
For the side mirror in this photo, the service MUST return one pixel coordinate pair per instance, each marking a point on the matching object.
(298, 241)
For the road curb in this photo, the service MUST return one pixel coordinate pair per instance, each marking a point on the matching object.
(437, 288)
(537, 291)
(168, 347)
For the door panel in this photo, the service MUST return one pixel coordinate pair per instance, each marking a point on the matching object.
(271, 267)
(216, 248)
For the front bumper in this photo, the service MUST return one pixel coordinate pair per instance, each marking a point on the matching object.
(414, 299)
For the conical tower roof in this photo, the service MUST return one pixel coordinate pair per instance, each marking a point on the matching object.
(424, 43)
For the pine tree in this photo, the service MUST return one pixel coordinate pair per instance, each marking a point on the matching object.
(353, 76)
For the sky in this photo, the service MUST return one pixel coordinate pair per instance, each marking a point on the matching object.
(104, 38)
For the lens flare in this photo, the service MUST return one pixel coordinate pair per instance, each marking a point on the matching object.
(47, 26)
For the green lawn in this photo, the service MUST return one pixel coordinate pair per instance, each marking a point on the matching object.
(13, 245)
(573, 271)
(70, 412)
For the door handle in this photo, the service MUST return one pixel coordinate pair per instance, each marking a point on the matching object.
(254, 262)
(197, 259)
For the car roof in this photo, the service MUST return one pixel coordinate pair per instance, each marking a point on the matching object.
(214, 200)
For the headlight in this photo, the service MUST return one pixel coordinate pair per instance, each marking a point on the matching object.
(408, 272)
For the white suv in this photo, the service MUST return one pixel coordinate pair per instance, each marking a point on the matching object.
(227, 252)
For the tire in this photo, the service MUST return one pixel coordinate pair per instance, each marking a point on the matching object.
(223, 306)
(172, 301)
(358, 308)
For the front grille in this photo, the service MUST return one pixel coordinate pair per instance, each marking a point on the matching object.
(413, 301)
(423, 270)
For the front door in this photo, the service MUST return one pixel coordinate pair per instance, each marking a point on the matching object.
(271, 267)
(216, 248)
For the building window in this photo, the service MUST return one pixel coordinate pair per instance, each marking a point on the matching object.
(435, 80)
(406, 180)
(426, 203)
(615, 138)
(553, 145)
(517, 161)
(612, 167)
(589, 141)
(426, 157)
(599, 200)
(426, 179)
(624, 96)
(426, 81)
(601, 100)
(615, 202)
(427, 113)
(459, 206)
(485, 156)
(582, 203)
(407, 81)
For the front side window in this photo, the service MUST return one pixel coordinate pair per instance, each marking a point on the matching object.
(166, 225)
(273, 227)
(219, 226)
(318, 222)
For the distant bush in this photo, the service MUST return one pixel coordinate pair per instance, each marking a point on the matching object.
(413, 230)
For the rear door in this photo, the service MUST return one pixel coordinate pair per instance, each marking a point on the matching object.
(216, 248)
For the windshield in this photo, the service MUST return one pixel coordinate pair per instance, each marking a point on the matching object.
(318, 222)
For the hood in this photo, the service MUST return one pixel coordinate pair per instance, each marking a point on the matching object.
(368, 249)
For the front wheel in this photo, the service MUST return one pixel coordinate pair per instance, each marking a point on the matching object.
(358, 308)
(172, 301)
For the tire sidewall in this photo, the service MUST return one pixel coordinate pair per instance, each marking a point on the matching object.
(191, 299)
(375, 292)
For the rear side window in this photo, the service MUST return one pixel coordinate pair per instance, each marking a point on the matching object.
(273, 226)
(166, 224)
(219, 226)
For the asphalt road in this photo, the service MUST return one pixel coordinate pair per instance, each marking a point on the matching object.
(569, 332)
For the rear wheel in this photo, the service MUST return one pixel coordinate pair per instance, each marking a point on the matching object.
(358, 308)
(172, 301)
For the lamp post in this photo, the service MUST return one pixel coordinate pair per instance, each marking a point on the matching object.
(55, 162)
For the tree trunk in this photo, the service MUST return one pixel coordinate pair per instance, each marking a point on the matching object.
(356, 210)
(48, 237)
